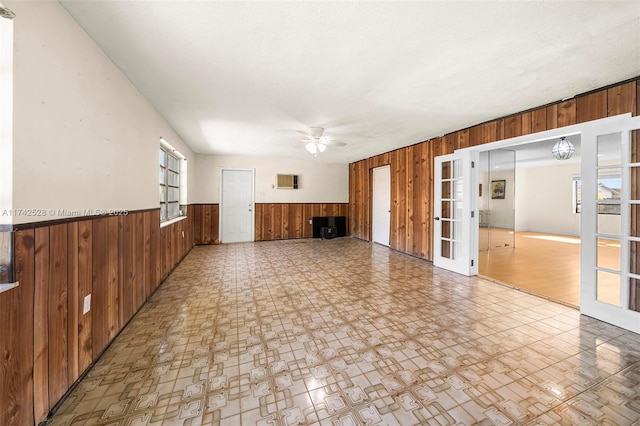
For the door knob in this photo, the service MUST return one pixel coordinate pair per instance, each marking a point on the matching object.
(437, 218)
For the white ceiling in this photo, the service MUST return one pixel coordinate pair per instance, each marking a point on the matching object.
(240, 77)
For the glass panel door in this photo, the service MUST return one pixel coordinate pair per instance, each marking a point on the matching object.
(610, 192)
(452, 213)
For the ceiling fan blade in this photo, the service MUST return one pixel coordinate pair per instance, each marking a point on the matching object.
(334, 143)
(302, 133)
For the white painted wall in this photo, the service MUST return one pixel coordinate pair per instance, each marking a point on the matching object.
(83, 136)
(544, 200)
(6, 121)
(319, 182)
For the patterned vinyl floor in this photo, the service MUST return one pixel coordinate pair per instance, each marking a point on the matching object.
(343, 332)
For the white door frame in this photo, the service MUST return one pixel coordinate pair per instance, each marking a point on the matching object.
(253, 200)
(373, 205)
(589, 305)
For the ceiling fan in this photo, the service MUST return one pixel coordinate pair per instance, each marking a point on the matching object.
(316, 141)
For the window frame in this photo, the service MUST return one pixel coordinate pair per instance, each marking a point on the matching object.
(165, 185)
(603, 208)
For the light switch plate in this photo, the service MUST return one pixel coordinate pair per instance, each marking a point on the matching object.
(87, 304)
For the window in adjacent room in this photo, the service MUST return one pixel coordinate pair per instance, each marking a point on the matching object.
(609, 191)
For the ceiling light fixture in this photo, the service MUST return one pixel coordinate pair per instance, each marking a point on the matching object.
(316, 145)
(563, 149)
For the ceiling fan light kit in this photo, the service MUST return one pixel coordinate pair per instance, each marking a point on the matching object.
(317, 141)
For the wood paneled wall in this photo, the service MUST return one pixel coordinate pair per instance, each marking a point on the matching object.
(47, 342)
(412, 167)
(281, 221)
(206, 225)
(273, 221)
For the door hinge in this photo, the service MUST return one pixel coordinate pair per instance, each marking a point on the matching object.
(471, 262)
(473, 214)
(473, 164)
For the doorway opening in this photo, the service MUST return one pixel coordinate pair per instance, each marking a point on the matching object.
(381, 211)
(529, 218)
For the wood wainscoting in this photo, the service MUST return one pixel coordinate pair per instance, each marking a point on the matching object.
(47, 342)
(273, 221)
(206, 223)
(281, 221)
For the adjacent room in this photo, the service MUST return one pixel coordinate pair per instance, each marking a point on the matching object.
(319, 213)
(529, 234)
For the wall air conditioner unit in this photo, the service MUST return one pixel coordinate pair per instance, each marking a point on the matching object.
(287, 181)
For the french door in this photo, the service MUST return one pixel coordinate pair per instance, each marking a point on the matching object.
(454, 215)
(610, 284)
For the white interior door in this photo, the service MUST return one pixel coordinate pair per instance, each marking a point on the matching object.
(381, 205)
(454, 213)
(611, 192)
(236, 205)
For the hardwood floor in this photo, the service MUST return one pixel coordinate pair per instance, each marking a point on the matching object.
(545, 264)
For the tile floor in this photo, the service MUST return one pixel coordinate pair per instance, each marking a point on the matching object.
(343, 332)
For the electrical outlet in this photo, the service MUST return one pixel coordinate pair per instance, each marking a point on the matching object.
(182, 234)
(310, 221)
(87, 304)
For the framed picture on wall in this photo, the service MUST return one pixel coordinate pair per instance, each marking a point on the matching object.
(497, 189)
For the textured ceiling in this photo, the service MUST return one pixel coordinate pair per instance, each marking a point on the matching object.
(240, 77)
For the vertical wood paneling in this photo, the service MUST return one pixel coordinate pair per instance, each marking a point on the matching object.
(259, 225)
(409, 190)
(538, 120)
(489, 132)
(475, 136)
(426, 161)
(591, 107)
(622, 99)
(164, 264)
(51, 341)
(114, 322)
(463, 139)
(73, 295)
(275, 221)
(100, 285)
(146, 258)
(567, 113)
(58, 314)
(500, 129)
(552, 116)
(450, 142)
(16, 339)
(513, 126)
(399, 197)
(198, 223)
(154, 249)
(85, 283)
(139, 246)
(128, 299)
(204, 222)
(527, 122)
(41, 327)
